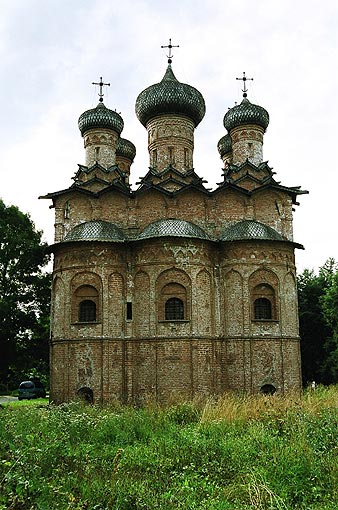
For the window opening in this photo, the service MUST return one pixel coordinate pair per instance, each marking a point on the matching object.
(154, 157)
(67, 210)
(129, 310)
(174, 309)
(186, 157)
(97, 153)
(87, 311)
(171, 155)
(262, 308)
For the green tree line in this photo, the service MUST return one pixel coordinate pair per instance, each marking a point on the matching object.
(318, 323)
(24, 298)
(25, 303)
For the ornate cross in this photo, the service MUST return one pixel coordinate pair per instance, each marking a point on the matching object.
(101, 85)
(170, 46)
(244, 79)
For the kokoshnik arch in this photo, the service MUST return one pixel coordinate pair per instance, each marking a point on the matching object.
(172, 289)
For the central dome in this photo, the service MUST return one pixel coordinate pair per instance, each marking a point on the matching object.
(170, 96)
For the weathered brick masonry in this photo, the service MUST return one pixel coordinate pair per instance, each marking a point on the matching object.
(173, 290)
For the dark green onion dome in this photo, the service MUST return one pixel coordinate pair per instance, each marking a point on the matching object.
(224, 145)
(170, 96)
(246, 113)
(125, 149)
(100, 117)
(250, 229)
(173, 228)
(95, 231)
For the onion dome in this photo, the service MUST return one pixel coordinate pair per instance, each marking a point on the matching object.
(125, 149)
(173, 228)
(246, 113)
(224, 145)
(250, 229)
(170, 96)
(100, 117)
(95, 231)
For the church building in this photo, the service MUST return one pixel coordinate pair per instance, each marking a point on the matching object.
(173, 290)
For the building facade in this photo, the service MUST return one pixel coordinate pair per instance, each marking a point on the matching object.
(173, 290)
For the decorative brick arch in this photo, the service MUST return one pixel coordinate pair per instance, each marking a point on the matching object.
(86, 298)
(173, 284)
(58, 308)
(142, 303)
(264, 295)
(290, 305)
(233, 317)
(203, 297)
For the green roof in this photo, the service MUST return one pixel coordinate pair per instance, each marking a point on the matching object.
(170, 96)
(224, 145)
(98, 230)
(173, 228)
(125, 148)
(250, 229)
(100, 117)
(246, 113)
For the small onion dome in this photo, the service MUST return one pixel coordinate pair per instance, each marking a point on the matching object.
(125, 149)
(100, 117)
(250, 229)
(170, 96)
(95, 231)
(246, 113)
(173, 228)
(224, 145)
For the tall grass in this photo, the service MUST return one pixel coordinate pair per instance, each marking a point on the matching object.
(231, 453)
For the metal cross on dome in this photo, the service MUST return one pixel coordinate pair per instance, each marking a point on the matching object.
(170, 46)
(101, 85)
(244, 80)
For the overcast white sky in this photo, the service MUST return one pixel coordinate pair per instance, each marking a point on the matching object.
(52, 50)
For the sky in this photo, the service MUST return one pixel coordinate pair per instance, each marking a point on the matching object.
(51, 52)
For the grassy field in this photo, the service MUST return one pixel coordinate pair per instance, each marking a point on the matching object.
(234, 453)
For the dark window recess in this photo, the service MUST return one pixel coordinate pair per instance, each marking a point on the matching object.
(129, 311)
(87, 311)
(263, 309)
(174, 309)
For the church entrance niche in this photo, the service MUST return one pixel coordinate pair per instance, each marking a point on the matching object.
(268, 389)
(86, 395)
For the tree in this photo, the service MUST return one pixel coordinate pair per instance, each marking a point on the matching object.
(315, 330)
(329, 303)
(24, 293)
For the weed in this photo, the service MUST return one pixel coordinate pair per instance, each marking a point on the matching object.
(232, 453)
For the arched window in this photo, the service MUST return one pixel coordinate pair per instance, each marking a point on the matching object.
(174, 309)
(263, 302)
(173, 303)
(87, 311)
(85, 304)
(262, 308)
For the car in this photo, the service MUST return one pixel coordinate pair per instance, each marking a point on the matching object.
(31, 389)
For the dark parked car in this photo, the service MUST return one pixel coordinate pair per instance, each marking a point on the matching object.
(31, 389)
